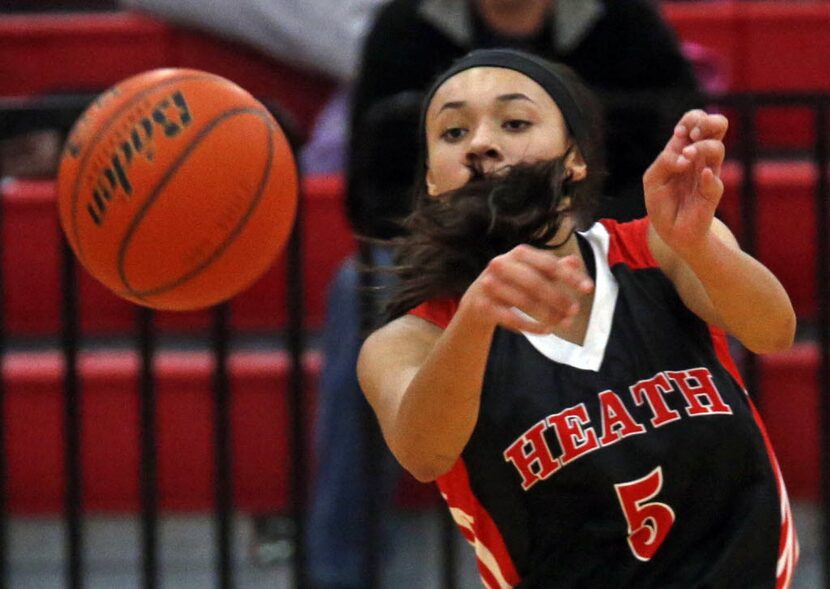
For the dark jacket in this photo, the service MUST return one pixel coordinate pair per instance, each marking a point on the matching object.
(617, 46)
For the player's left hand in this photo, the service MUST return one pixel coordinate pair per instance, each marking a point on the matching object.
(683, 186)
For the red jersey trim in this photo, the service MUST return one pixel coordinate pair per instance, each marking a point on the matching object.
(494, 562)
(437, 311)
(788, 541)
(629, 244)
(721, 346)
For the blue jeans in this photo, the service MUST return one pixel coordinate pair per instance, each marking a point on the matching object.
(339, 510)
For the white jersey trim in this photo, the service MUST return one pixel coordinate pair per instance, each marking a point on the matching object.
(483, 554)
(590, 354)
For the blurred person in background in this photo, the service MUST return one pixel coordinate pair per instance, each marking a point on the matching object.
(323, 36)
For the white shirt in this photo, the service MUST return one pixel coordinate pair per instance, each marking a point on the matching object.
(323, 35)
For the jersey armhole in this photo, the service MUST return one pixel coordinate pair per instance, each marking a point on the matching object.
(629, 244)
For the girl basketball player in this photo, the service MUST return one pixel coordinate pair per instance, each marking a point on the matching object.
(567, 382)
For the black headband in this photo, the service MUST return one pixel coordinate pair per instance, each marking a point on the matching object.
(533, 67)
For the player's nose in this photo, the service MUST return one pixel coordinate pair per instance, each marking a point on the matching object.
(484, 150)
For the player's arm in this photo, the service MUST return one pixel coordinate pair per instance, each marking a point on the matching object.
(424, 386)
(717, 280)
(726, 287)
(424, 383)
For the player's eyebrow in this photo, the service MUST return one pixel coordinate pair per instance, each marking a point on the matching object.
(514, 96)
(457, 104)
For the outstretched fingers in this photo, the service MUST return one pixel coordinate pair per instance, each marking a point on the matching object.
(669, 164)
(709, 126)
(697, 125)
(711, 186)
(706, 153)
(696, 144)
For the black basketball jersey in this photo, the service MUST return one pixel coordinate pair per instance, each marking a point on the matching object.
(635, 460)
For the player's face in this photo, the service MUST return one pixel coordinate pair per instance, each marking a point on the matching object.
(489, 118)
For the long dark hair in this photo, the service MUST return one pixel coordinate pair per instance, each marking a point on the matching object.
(448, 240)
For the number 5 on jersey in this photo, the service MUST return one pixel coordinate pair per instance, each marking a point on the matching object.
(648, 522)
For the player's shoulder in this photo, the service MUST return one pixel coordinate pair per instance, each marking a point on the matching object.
(401, 344)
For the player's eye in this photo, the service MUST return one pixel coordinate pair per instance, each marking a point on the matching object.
(516, 124)
(453, 134)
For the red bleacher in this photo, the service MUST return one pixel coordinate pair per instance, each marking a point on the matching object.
(789, 402)
(764, 43)
(31, 257)
(90, 52)
(786, 224)
(765, 46)
(110, 418)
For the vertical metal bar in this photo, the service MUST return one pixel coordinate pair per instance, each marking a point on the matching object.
(295, 290)
(371, 459)
(296, 397)
(72, 423)
(749, 221)
(4, 518)
(149, 453)
(822, 195)
(448, 554)
(223, 485)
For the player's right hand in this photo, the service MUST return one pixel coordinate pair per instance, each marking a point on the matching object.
(544, 287)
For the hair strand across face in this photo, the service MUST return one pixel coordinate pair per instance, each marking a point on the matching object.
(450, 239)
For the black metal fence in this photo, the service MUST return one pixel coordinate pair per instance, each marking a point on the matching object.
(61, 111)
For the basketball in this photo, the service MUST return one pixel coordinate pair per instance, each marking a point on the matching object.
(177, 189)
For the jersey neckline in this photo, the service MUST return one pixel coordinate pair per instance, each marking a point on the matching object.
(590, 354)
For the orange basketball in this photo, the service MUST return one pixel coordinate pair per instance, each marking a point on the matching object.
(177, 189)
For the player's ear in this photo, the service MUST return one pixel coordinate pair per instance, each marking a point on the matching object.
(576, 164)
